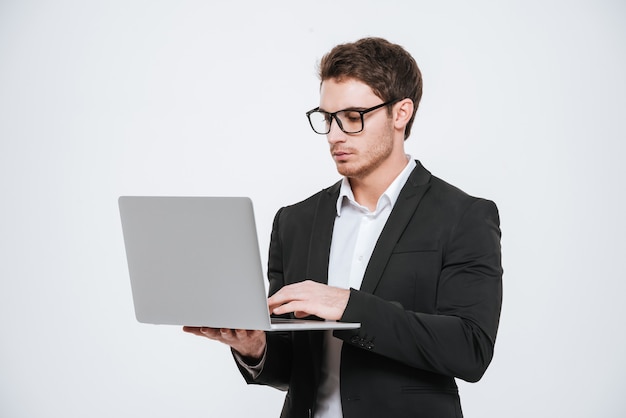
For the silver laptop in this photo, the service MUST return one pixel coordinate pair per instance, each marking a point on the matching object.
(195, 261)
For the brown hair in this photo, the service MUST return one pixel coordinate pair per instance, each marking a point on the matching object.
(389, 70)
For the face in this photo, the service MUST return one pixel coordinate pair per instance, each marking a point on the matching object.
(357, 155)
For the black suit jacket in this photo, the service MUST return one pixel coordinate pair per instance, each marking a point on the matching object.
(429, 303)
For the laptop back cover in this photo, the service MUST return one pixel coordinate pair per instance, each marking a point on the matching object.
(194, 261)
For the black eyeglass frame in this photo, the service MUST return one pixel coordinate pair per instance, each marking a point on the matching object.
(333, 115)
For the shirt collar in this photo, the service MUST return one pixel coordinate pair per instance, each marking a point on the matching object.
(389, 196)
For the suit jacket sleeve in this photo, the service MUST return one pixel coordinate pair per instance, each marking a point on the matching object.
(456, 337)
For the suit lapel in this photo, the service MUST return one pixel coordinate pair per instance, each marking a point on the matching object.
(408, 200)
(324, 221)
(319, 254)
(322, 234)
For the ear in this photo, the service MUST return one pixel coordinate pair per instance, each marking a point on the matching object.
(403, 111)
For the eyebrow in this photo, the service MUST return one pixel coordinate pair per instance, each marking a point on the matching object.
(343, 110)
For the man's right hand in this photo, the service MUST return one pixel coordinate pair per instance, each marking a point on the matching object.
(249, 344)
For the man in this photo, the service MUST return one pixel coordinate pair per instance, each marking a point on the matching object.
(415, 260)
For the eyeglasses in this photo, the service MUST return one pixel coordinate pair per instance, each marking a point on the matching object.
(349, 121)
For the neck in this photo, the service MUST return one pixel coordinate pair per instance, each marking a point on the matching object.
(367, 189)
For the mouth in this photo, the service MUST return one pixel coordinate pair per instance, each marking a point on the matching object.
(340, 152)
(340, 155)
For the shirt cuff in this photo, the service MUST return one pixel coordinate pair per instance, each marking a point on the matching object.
(253, 369)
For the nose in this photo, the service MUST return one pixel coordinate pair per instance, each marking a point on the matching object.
(335, 134)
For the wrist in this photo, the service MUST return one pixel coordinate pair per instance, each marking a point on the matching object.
(254, 350)
(253, 357)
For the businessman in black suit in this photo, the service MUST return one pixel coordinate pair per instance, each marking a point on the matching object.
(415, 260)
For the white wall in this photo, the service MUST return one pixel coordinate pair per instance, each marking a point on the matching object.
(524, 103)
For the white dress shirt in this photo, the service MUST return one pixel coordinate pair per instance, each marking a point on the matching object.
(355, 234)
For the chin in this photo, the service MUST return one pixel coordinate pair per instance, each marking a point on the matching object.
(343, 169)
(351, 171)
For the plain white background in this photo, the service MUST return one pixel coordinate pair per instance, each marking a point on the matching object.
(524, 103)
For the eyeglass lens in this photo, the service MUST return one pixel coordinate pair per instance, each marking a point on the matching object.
(350, 121)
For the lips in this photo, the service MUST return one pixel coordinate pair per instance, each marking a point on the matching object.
(340, 152)
(341, 155)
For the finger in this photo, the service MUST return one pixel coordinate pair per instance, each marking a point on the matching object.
(194, 330)
(277, 302)
(291, 292)
(287, 295)
(279, 298)
(294, 306)
(234, 335)
(226, 334)
(241, 333)
(207, 332)
(212, 333)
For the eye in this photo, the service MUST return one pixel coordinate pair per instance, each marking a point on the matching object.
(352, 115)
